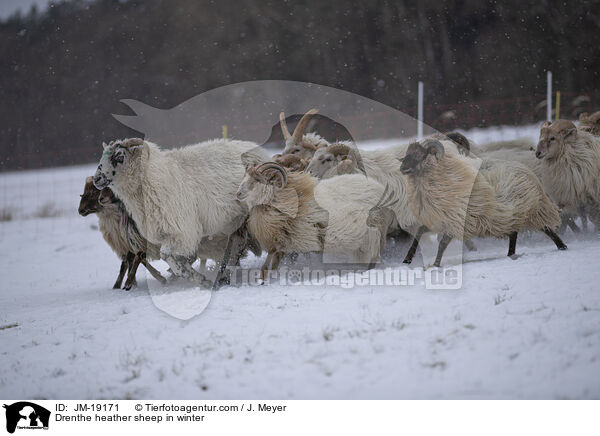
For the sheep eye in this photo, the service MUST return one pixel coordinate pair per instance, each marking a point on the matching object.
(552, 138)
(116, 159)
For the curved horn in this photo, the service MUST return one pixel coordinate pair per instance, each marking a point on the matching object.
(284, 128)
(434, 146)
(131, 142)
(273, 166)
(299, 130)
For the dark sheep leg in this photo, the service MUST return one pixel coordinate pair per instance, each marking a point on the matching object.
(125, 263)
(512, 243)
(441, 248)
(413, 248)
(559, 243)
(132, 272)
(236, 244)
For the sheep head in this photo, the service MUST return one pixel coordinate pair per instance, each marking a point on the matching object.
(552, 138)
(296, 143)
(107, 197)
(590, 123)
(417, 156)
(120, 158)
(336, 159)
(93, 200)
(261, 182)
(291, 162)
(89, 199)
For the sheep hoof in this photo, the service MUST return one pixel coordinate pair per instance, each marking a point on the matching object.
(407, 261)
(223, 281)
(562, 248)
(514, 256)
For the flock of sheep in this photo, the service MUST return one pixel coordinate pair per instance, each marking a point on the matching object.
(220, 198)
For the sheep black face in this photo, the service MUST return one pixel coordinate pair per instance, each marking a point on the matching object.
(107, 197)
(417, 155)
(552, 137)
(260, 183)
(89, 199)
(118, 159)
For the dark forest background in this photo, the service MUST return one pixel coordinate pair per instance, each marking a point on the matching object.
(63, 71)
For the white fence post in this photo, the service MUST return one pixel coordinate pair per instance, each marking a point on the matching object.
(420, 113)
(549, 97)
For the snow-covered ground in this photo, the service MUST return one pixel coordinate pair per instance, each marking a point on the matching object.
(524, 328)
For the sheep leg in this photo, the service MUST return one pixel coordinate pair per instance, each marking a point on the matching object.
(512, 243)
(132, 272)
(182, 267)
(265, 267)
(122, 271)
(574, 227)
(131, 262)
(276, 260)
(155, 273)
(584, 219)
(470, 245)
(235, 246)
(413, 248)
(559, 243)
(441, 248)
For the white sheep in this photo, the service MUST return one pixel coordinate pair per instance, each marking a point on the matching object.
(570, 167)
(177, 197)
(451, 197)
(291, 212)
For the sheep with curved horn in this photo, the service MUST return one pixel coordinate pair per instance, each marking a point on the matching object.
(295, 213)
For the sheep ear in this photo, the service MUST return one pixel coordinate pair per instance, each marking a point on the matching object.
(104, 145)
(570, 132)
(583, 115)
(546, 124)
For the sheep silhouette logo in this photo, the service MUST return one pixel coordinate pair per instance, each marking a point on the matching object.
(26, 415)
